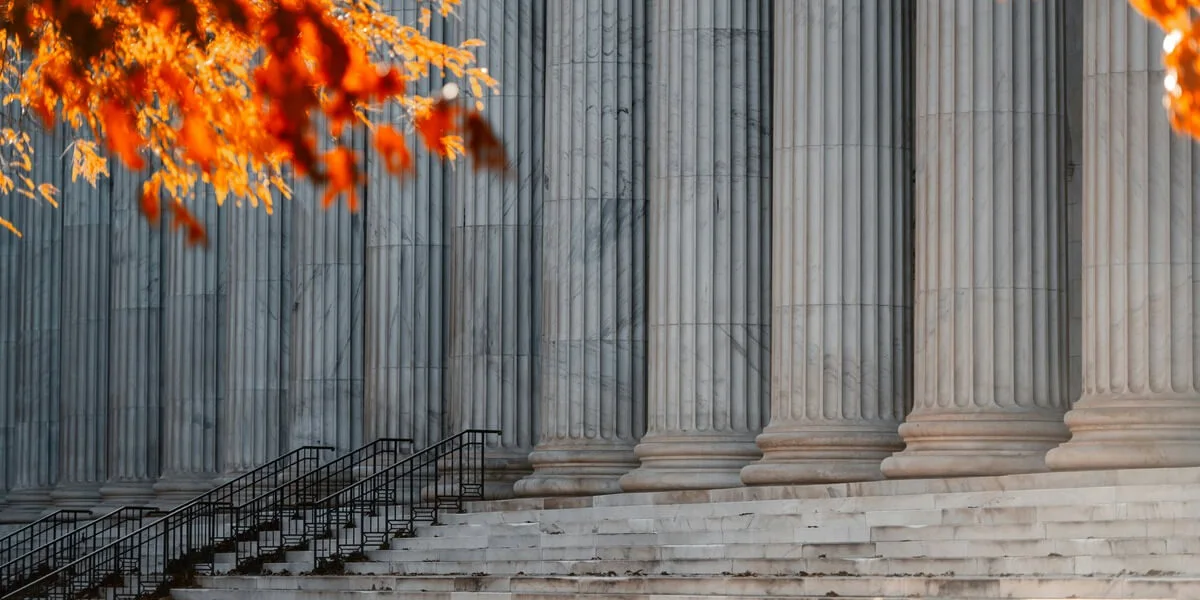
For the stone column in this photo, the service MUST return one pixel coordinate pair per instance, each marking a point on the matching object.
(593, 388)
(135, 382)
(406, 299)
(495, 236)
(990, 315)
(842, 221)
(709, 231)
(87, 266)
(325, 395)
(1140, 405)
(192, 349)
(10, 337)
(256, 246)
(39, 379)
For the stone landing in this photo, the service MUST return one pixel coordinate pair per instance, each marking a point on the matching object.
(1100, 534)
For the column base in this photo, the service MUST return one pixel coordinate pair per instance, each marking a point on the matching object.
(27, 505)
(577, 468)
(1130, 433)
(174, 490)
(975, 444)
(502, 469)
(127, 493)
(690, 462)
(799, 453)
(77, 496)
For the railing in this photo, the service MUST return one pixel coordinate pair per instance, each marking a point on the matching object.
(273, 510)
(39, 532)
(66, 548)
(390, 503)
(165, 553)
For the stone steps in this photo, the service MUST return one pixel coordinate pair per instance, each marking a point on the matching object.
(670, 588)
(972, 566)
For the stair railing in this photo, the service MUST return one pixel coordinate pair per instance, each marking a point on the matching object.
(39, 532)
(281, 509)
(70, 546)
(165, 552)
(390, 503)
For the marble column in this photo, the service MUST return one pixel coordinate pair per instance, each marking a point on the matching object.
(254, 354)
(1140, 405)
(135, 382)
(10, 337)
(842, 256)
(406, 301)
(40, 364)
(990, 303)
(593, 388)
(709, 234)
(192, 349)
(496, 241)
(325, 393)
(87, 267)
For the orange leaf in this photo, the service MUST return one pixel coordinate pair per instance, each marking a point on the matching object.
(151, 206)
(435, 124)
(199, 142)
(193, 231)
(482, 144)
(122, 136)
(394, 151)
(342, 169)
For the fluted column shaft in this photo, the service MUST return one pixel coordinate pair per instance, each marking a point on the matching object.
(1140, 405)
(87, 260)
(842, 255)
(495, 235)
(135, 381)
(192, 349)
(709, 231)
(325, 396)
(593, 390)
(10, 336)
(990, 324)
(39, 378)
(406, 295)
(256, 246)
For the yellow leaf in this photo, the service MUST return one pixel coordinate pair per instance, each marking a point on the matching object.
(9, 226)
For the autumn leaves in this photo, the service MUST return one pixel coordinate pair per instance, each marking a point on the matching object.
(1181, 56)
(228, 92)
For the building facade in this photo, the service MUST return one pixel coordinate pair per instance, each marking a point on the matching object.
(742, 242)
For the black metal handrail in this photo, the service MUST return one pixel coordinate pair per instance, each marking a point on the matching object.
(391, 502)
(76, 543)
(165, 552)
(269, 511)
(39, 532)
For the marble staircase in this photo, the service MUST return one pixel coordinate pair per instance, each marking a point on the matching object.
(1101, 534)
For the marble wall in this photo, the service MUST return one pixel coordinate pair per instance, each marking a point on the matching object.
(676, 169)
